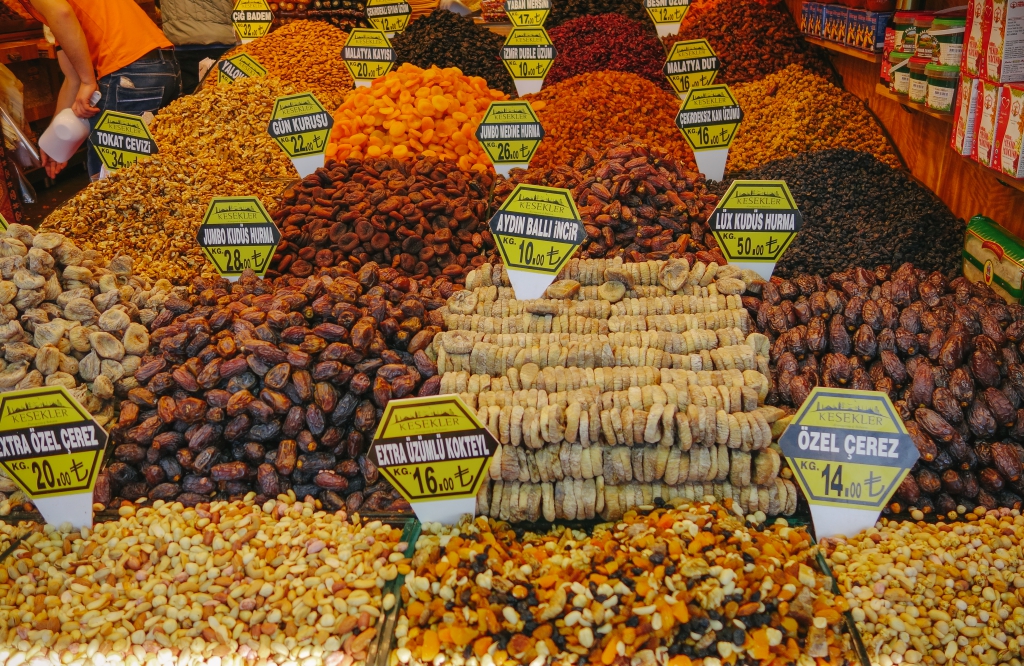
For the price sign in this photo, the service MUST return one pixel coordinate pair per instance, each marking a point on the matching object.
(667, 14)
(301, 125)
(368, 55)
(527, 13)
(537, 229)
(238, 233)
(388, 16)
(251, 19)
(436, 452)
(528, 54)
(509, 133)
(708, 119)
(691, 64)
(754, 223)
(241, 66)
(51, 447)
(120, 139)
(849, 452)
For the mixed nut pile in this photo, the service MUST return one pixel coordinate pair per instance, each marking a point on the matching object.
(274, 386)
(626, 384)
(683, 585)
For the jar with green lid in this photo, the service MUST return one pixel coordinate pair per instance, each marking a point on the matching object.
(948, 34)
(942, 82)
(918, 90)
(899, 72)
(925, 46)
(903, 24)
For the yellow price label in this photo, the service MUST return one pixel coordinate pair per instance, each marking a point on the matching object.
(237, 233)
(120, 139)
(537, 229)
(300, 124)
(368, 54)
(691, 64)
(49, 445)
(510, 132)
(251, 19)
(528, 53)
(755, 221)
(709, 117)
(666, 11)
(846, 484)
(388, 15)
(527, 13)
(241, 66)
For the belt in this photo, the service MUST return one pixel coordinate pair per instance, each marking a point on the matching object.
(159, 54)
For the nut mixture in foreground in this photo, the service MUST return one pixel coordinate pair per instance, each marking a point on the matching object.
(676, 586)
(946, 593)
(231, 580)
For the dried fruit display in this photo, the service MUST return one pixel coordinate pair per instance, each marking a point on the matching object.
(945, 598)
(565, 11)
(425, 218)
(751, 39)
(211, 583)
(304, 54)
(794, 111)
(607, 42)
(667, 582)
(274, 386)
(636, 202)
(627, 383)
(896, 219)
(212, 143)
(619, 107)
(946, 353)
(72, 318)
(412, 111)
(446, 39)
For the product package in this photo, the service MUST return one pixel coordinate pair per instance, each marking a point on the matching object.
(995, 256)
(1010, 131)
(988, 122)
(1004, 47)
(866, 30)
(811, 22)
(965, 118)
(835, 22)
(974, 39)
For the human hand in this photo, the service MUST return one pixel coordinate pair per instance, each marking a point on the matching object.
(82, 106)
(51, 166)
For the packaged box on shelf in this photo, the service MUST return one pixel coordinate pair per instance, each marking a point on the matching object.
(835, 18)
(974, 39)
(1004, 41)
(994, 256)
(866, 30)
(1010, 131)
(811, 21)
(965, 118)
(988, 122)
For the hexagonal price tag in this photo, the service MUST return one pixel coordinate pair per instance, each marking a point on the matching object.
(120, 139)
(690, 64)
(754, 223)
(849, 452)
(251, 19)
(509, 133)
(527, 13)
(667, 15)
(51, 447)
(708, 119)
(537, 229)
(301, 125)
(435, 452)
(388, 16)
(368, 54)
(238, 233)
(241, 66)
(528, 54)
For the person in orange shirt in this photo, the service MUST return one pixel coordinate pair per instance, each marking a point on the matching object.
(111, 46)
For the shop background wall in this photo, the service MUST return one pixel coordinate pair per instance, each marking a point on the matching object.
(923, 143)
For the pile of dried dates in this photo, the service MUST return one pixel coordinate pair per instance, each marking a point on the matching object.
(426, 219)
(947, 352)
(636, 202)
(268, 386)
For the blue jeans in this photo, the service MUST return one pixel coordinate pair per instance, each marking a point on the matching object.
(145, 85)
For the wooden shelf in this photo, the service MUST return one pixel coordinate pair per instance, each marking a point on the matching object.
(835, 47)
(881, 90)
(1015, 183)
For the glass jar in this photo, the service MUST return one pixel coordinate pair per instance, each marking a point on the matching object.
(918, 89)
(899, 72)
(903, 23)
(942, 82)
(924, 46)
(948, 34)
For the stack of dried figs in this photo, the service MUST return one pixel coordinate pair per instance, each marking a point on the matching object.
(946, 352)
(426, 219)
(274, 385)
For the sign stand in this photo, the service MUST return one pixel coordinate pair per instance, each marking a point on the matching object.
(447, 512)
(307, 164)
(712, 162)
(74, 509)
(667, 29)
(528, 86)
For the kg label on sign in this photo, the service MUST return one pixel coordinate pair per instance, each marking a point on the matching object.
(388, 16)
(691, 64)
(527, 13)
(251, 19)
(368, 55)
(509, 133)
(849, 452)
(238, 233)
(754, 223)
(528, 54)
(300, 125)
(667, 15)
(708, 119)
(120, 139)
